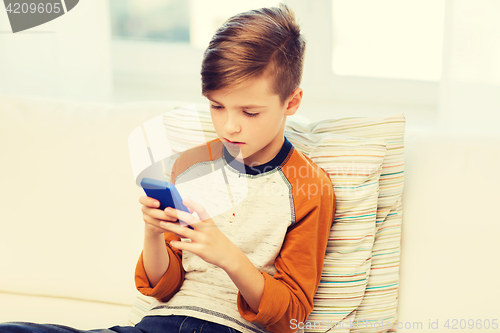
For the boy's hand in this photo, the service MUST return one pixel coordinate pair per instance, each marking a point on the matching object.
(207, 241)
(153, 216)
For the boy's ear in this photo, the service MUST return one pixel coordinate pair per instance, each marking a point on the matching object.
(294, 101)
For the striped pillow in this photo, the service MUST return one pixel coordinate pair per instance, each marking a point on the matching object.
(378, 309)
(186, 127)
(354, 166)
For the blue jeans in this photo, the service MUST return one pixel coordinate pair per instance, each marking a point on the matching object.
(149, 324)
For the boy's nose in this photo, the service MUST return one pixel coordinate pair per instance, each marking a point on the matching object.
(231, 125)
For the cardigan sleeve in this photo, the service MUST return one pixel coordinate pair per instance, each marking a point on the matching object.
(170, 282)
(288, 295)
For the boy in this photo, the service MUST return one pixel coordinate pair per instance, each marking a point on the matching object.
(253, 258)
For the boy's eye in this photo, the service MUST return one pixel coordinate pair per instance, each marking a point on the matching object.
(250, 114)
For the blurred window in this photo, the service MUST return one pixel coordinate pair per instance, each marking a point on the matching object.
(192, 22)
(157, 20)
(393, 39)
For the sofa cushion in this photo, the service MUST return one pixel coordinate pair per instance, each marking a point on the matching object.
(70, 219)
(79, 314)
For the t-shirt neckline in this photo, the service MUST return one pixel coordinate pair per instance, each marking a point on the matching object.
(266, 167)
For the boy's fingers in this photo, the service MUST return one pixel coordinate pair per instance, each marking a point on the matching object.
(199, 209)
(148, 201)
(158, 224)
(181, 232)
(157, 214)
(171, 212)
(186, 217)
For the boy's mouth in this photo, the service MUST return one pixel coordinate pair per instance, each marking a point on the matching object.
(234, 142)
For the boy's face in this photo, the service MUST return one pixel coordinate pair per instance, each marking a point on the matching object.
(253, 115)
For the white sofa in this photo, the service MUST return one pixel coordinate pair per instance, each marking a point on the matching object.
(71, 227)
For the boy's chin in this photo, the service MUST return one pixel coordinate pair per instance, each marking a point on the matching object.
(235, 152)
(232, 148)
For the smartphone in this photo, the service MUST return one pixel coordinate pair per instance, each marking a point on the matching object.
(165, 193)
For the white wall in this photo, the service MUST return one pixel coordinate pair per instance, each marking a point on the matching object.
(163, 71)
(449, 270)
(470, 89)
(68, 57)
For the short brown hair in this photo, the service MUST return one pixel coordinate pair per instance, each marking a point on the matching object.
(254, 43)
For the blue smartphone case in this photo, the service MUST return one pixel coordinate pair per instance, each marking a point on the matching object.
(164, 192)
